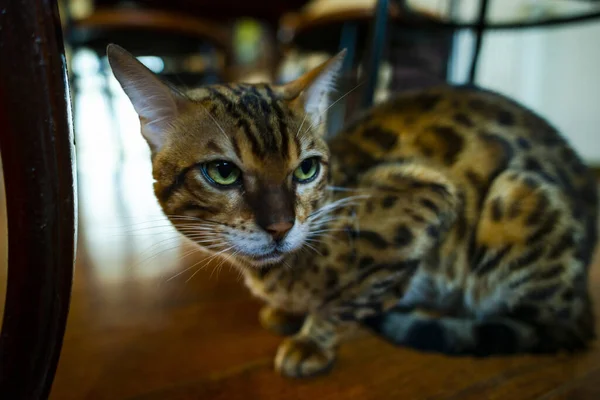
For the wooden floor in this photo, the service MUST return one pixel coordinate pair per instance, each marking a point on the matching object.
(137, 330)
(135, 334)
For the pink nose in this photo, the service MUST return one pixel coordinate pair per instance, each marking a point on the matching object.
(278, 229)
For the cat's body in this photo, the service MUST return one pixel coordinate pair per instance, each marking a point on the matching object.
(453, 201)
(508, 261)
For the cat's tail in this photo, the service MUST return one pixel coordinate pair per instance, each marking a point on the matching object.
(455, 336)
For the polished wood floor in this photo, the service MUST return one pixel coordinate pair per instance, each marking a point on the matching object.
(150, 320)
(135, 334)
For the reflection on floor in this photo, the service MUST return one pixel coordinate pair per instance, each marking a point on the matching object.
(137, 330)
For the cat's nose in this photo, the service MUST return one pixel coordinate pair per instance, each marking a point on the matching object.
(279, 229)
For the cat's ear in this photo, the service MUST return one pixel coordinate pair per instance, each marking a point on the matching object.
(311, 91)
(156, 104)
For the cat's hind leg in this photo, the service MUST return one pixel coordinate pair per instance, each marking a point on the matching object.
(522, 330)
(526, 286)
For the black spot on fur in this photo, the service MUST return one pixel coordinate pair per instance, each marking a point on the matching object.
(389, 201)
(426, 102)
(479, 184)
(540, 210)
(533, 165)
(325, 251)
(461, 225)
(492, 262)
(506, 118)
(403, 236)
(565, 180)
(416, 184)
(463, 119)
(589, 194)
(347, 316)
(551, 138)
(314, 204)
(433, 231)
(580, 283)
(568, 295)
(427, 151)
(427, 335)
(461, 219)
(373, 238)
(572, 160)
(564, 313)
(331, 278)
(365, 261)
(502, 146)
(545, 229)
(529, 257)
(551, 272)
(453, 142)
(430, 205)
(263, 271)
(477, 105)
(513, 210)
(523, 143)
(544, 293)
(351, 231)
(525, 312)
(531, 182)
(385, 139)
(496, 209)
(495, 338)
(565, 242)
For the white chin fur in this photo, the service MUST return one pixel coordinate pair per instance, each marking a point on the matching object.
(250, 249)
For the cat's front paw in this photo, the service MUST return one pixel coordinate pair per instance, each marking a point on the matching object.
(280, 322)
(302, 357)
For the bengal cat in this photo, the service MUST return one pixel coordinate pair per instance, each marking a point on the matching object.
(450, 219)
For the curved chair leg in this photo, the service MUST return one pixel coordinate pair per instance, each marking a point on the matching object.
(36, 142)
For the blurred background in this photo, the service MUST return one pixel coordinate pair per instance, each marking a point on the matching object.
(140, 326)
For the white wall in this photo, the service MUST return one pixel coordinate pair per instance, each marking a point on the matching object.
(555, 71)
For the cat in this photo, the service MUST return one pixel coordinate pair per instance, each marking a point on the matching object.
(449, 219)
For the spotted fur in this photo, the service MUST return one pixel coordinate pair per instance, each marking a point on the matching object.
(450, 219)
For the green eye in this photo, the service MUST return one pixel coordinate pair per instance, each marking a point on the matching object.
(307, 170)
(222, 173)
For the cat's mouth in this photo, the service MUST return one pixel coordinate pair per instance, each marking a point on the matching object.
(260, 260)
(268, 258)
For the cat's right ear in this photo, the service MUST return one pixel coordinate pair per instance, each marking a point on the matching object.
(156, 104)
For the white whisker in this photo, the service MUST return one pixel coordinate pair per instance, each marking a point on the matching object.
(334, 103)
(208, 261)
(215, 121)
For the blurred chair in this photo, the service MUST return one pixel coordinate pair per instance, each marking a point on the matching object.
(37, 158)
(193, 50)
(375, 33)
(177, 36)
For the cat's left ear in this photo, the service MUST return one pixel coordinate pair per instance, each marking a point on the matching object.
(311, 91)
(156, 103)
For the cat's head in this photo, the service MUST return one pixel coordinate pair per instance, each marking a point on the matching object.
(238, 168)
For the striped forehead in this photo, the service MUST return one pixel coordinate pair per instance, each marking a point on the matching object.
(263, 128)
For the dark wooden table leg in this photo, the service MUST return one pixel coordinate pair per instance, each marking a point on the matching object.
(37, 154)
